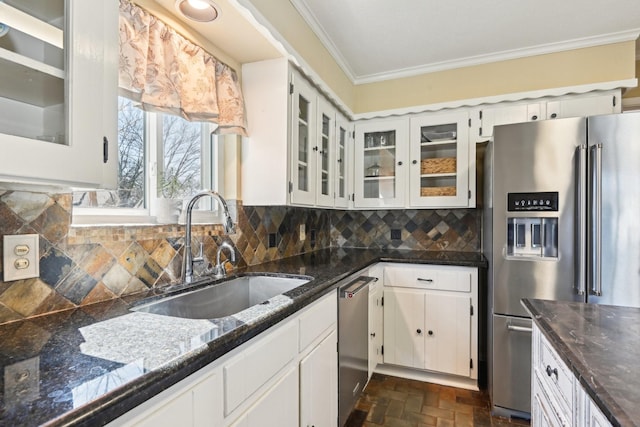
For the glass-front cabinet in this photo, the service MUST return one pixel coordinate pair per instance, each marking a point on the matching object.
(325, 153)
(344, 157)
(439, 171)
(380, 169)
(303, 142)
(58, 96)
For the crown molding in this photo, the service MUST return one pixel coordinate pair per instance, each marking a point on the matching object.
(506, 55)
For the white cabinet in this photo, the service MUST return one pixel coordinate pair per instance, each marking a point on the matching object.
(376, 314)
(380, 170)
(558, 399)
(286, 376)
(439, 170)
(58, 64)
(293, 154)
(507, 114)
(589, 105)
(318, 384)
(429, 321)
(343, 161)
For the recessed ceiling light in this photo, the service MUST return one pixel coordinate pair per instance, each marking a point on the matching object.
(198, 10)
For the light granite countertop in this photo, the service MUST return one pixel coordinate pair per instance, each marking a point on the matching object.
(86, 367)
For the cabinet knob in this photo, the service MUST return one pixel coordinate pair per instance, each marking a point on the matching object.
(373, 334)
(534, 117)
(430, 332)
(339, 160)
(553, 371)
(554, 115)
(419, 331)
(315, 148)
(415, 162)
(399, 163)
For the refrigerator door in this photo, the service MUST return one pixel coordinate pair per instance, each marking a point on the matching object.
(614, 228)
(511, 366)
(532, 158)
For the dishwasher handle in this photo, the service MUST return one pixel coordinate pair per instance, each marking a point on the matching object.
(352, 288)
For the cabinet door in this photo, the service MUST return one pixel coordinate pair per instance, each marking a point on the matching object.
(375, 326)
(277, 407)
(176, 412)
(448, 333)
(380, 164)
(325, 154)
(584, 106)
(404, 327)
(343, 162)
(439, 171)
(319, 384)
(542, 413)
(504, 115)
(303, 142)
(595, 417)
(56, 113)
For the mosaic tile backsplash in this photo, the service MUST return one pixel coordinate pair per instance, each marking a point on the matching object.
(84, 265)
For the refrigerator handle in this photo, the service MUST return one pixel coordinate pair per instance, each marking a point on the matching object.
(581, 220)
(595, 256)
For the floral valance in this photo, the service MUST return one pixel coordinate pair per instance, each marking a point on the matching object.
(167, 73)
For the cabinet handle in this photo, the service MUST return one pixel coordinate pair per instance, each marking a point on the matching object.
(420, 279)
(105, 149)
(430, 332)
(553, 371)
(418, 331)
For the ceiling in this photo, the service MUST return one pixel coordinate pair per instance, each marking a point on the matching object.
(376, 40)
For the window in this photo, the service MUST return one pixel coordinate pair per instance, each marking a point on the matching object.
(161, 156)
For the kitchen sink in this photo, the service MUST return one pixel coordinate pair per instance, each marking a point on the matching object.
(224, 298)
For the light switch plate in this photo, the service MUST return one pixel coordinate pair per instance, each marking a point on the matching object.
(21, 256)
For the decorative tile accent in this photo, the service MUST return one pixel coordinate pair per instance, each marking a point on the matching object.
(82, 265)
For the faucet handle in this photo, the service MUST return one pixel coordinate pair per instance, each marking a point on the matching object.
(200, 257)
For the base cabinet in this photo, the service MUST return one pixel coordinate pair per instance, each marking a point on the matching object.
(429, 319)
(558, 399)
(286, 376)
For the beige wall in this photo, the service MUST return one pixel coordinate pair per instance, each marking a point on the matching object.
(577, 67)
(635, 92)
(570, 68)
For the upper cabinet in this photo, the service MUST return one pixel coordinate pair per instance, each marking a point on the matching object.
(439, 170)
(380, 163)
(607, 102)
(298, 151)
(58, 64)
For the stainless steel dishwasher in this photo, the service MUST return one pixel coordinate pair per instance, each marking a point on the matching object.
(353, 345)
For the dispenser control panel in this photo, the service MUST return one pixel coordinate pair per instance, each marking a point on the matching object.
(547, 201)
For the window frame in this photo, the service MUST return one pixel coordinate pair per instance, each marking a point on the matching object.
(211, 177)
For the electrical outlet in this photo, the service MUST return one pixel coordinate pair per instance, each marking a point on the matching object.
(303, 232)
(396, 234)
(21, 256)
(273, 241)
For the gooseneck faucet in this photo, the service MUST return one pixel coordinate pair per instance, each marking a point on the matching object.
(187, 259)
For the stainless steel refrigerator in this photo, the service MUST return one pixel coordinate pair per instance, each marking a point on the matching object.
(561, 222)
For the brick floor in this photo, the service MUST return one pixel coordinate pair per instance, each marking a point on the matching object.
(397, 402)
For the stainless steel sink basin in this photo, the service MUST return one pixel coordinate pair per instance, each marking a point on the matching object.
(223, 299)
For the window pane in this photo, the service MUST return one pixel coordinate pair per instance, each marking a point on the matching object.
(131, 161)
(181, 161)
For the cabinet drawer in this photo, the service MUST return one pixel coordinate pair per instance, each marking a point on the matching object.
(247, 372)
(317, 318)
(555, 374)
(457, 279)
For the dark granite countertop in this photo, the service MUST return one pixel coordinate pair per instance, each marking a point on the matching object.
(90, 365)
(601, 345)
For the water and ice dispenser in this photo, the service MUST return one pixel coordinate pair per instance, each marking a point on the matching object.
(534, 236)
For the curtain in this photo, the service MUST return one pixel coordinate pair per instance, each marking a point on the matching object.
(167, 73)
